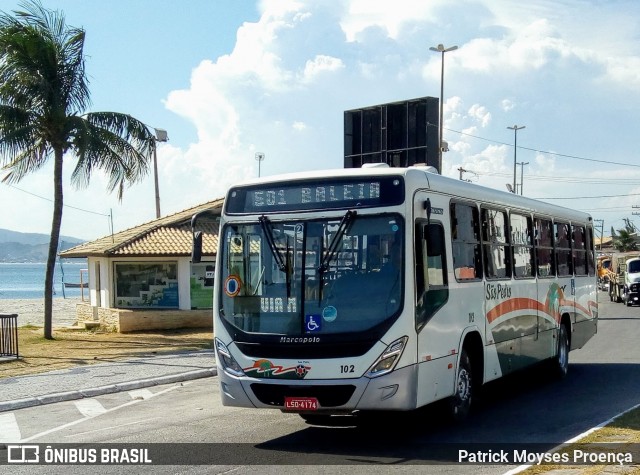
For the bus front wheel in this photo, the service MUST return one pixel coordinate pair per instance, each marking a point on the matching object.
(462, 398)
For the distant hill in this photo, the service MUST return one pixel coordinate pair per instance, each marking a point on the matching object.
(29, 247)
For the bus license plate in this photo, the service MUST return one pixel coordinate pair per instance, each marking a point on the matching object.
(301, 403)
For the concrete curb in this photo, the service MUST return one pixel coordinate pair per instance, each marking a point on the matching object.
(107, 389)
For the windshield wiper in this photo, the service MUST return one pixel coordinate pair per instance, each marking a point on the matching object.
(281, 262)
(268, 234)
(343, 227)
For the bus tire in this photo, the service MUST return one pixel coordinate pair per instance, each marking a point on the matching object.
(561, 360)
(460, 402)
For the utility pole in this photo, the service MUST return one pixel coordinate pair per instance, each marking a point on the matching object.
(601, 222)
(515, 129)
(462, 170)
(161, 136)
(441, 49)
(522, 164)
(259, 156)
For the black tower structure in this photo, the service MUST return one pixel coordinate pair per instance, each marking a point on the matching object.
(399, 134)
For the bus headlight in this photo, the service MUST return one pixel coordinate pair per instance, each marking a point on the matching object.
(388, 359)
(229, 364)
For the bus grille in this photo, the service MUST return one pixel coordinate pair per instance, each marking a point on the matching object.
(348, 349)
(328, 396)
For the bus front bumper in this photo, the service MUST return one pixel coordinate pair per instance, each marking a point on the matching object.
(394, 391)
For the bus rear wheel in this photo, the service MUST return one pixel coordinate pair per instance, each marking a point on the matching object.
(561, 360)
(460, 403)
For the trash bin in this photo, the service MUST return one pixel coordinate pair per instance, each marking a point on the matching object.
(8, 335)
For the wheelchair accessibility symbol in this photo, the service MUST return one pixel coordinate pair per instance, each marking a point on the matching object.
(312, 323)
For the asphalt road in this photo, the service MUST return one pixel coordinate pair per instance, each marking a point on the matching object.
(529, 408)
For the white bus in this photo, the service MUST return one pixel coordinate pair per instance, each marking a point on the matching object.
(387, 289)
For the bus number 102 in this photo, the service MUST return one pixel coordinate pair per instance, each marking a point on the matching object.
(347, 368)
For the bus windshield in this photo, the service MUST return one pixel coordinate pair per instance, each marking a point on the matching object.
(323, 276)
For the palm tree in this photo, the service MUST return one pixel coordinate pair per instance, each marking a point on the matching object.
(625, 239)
(44, 97)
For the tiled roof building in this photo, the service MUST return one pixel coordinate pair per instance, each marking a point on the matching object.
(166, 236)
(142, 278)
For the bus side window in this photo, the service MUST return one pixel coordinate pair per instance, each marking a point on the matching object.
(495, 243)
(579, 250)
(563, 249)
(545, 259)
(465, 242)
(591, 262)
(431, 271)
(521, 228)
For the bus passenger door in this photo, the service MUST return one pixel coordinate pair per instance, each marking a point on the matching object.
(432, 324)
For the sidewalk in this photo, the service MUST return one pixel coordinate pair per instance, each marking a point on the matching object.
(103, 378)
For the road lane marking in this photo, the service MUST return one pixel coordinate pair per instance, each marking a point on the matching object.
(82, 434)
(573, 440)
(140, 394)
(71, 424)
(10, 430)
(90, 407)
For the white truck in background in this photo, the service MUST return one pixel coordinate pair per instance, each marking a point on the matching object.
(624, 278)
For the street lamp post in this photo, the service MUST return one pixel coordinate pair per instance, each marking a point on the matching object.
(441, 49)
(515, 129)
(259, 158)
(161, 136)
(522, 164)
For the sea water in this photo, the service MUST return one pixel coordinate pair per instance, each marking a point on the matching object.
(26, 280)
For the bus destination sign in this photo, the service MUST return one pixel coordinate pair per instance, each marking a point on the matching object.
(313, 195)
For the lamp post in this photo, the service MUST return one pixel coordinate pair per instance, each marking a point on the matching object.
(515, 129)
(161, 136)
(259, 157)
(441, 49)
(522, 164)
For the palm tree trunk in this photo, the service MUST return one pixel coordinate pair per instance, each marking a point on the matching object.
(53, 243)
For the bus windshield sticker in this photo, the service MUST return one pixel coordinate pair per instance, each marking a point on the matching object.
(329, 313)
(232, 285)
(312, 323)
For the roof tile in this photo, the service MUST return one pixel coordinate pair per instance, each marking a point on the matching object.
(166, 236)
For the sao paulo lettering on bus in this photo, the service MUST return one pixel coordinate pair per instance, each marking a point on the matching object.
(498, 291)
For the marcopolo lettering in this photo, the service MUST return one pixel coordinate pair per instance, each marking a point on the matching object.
(306, 339)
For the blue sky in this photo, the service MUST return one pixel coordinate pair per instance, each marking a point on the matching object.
(229, 78)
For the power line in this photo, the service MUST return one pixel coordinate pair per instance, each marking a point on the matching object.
(574, 179)
(544, 151)
(568, 180)
(586, 197)
(51, 201)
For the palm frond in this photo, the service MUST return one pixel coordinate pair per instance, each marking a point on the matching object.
(42, 62)
(28, 160)
(115, 143)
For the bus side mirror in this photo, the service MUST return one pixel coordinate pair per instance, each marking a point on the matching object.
(196, 248)
(435, 240)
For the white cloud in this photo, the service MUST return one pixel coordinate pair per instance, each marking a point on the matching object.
(507, 105)
(480, 114)
(390, 17)
(320, 64)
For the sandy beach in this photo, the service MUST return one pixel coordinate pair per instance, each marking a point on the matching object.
(31, 311)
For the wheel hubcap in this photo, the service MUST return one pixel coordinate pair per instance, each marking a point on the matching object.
(464, 385)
